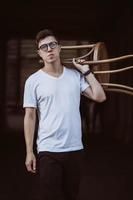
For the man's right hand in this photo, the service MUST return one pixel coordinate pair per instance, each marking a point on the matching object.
(30, 162)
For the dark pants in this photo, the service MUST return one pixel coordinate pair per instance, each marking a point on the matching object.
(60, 174)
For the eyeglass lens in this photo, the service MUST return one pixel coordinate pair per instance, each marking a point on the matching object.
(52, 45)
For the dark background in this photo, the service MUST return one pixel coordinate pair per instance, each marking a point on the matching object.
(109, 140)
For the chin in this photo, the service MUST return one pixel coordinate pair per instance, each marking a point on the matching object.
(51, 61)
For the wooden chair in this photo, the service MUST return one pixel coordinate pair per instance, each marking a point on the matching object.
(97, 58)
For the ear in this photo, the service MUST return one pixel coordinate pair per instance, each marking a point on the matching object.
(59, 48)
(38, 53)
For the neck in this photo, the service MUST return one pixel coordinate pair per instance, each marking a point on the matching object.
(55, 68)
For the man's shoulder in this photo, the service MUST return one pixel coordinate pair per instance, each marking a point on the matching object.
(34, 76)
(72, 71)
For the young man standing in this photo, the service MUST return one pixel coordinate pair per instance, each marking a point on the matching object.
(54, 93)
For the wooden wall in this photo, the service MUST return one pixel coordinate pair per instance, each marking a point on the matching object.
(110, 22)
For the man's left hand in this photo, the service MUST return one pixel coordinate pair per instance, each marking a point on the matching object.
(79, 64)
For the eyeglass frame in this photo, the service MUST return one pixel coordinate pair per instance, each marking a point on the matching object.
(48, 45)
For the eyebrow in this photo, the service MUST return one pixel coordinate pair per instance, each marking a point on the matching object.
(48, 43)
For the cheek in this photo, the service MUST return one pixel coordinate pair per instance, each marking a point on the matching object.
(59, 49)
(58, 52)
(42, 55)
(39, 54)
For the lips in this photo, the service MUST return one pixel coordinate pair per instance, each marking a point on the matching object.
(50, 55)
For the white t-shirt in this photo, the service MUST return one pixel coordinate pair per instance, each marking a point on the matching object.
(57, 100)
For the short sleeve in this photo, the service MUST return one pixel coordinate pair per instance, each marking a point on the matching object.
(29, 98)
(83, 84)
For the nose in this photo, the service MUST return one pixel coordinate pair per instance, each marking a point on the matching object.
(49, 49)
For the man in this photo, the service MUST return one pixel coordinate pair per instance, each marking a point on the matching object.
(54, 93)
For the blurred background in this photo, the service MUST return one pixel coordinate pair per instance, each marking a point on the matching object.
(107, 127)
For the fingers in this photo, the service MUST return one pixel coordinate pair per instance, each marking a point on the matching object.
(31, 166)
(28, 166)
(81, 61)
(79, 64)
(78, 61)
(74, 61)
(34, 165)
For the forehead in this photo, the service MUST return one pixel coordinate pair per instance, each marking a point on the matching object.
(47, 40)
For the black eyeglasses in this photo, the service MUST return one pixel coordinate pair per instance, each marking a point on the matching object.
(52, 45)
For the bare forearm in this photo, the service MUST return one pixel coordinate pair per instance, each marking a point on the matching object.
(29, 129)
(95, 91)
(96, 88)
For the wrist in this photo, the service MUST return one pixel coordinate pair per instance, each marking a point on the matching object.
(84, 68)
(29, 151)
(87, 72)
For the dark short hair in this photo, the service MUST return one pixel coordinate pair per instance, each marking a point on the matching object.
(43, 34)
